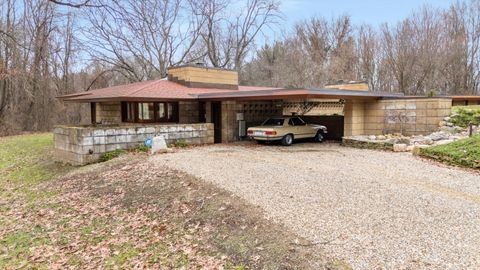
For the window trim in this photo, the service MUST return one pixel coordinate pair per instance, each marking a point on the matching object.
(156, 118)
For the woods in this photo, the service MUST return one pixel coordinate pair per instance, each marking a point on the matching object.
(431, 52)
(50, 48)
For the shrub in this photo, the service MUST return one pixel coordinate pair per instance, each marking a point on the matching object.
(112, 154)
(181, 143)
(141, 148)
(464, 116)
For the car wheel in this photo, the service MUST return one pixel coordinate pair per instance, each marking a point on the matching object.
(287, 140)
(319, 137)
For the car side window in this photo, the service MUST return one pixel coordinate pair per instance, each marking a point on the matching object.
(296, 122)
(290, 122)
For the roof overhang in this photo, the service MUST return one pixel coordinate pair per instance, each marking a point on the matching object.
(465, 98)
(297, 94)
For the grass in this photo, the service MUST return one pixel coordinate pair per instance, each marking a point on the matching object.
(27, 159)
(123, 213)
(465, 153)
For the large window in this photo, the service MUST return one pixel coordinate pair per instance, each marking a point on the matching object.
(149, 112)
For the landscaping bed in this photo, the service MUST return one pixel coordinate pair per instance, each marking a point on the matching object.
(465, 152)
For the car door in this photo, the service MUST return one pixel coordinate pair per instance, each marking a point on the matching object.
(302, 130)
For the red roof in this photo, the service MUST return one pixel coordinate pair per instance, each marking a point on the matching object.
(164, 90)
(153, 90)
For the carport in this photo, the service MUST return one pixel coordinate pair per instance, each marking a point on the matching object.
(241, 109)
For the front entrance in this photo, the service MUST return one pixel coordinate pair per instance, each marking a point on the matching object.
(217, 121)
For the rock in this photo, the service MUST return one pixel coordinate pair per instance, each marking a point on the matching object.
(442, 123)
(381, 137)
(427, 141)
(410, 148)
(455, 137)
(399, 147)
(403, 140)
(159, 145)
(372, 137)
(392, 140)
(417, 148)
(447, 119)
(443, 142)
(420, 140)
(437, 136)
(449, 124)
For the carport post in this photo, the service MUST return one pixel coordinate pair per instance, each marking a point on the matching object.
(354, 117)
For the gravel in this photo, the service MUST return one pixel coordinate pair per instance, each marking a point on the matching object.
(369, 208)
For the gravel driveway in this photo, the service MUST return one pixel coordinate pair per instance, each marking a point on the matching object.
(372, 209)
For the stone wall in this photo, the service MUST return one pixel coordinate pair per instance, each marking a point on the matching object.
(83, 145)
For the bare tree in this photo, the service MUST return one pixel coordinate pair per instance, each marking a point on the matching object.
(228, 38)
(367, 53)
(140, 39)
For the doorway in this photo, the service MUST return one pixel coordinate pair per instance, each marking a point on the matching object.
(217, 121)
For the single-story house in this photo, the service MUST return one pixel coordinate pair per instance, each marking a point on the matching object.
(203, 105)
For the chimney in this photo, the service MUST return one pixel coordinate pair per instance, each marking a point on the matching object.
(198, 75)
(348, 85)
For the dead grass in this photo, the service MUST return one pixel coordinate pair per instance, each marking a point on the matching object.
(129, 213)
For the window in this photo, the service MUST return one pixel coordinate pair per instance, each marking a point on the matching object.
(161, 112)
(146, 112)
(149, 112)
(273, 122)
(296, 121)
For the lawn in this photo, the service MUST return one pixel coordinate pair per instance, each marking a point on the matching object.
(465, 153)
(130, 213)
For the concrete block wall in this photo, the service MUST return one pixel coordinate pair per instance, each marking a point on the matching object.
(229, 121)
(406, 116)
(255, 112)
(109, 112)
(354, 114)
(83, 145)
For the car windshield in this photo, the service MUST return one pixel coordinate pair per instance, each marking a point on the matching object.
(273, 122)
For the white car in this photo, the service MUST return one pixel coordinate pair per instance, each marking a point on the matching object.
(286, 129)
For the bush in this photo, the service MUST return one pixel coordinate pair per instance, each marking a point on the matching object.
(181, 143)
(112, 154)
(141, 149)
(464, 116)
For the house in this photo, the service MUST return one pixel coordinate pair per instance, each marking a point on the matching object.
(203, 105)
